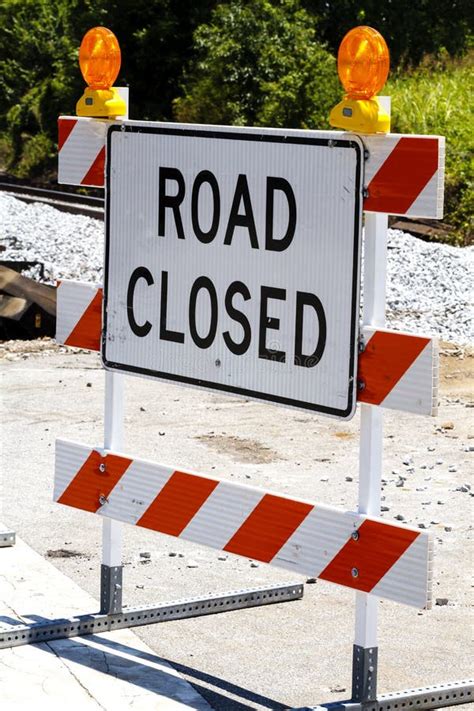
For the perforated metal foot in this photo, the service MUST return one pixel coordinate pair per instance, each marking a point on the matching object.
(20, 634)
(7, 539)
(427, 697)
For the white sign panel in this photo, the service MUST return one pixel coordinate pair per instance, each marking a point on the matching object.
(232, 260)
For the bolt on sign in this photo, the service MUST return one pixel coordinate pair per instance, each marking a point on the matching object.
(232, 261)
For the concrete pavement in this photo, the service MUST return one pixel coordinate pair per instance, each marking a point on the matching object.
(111, 671)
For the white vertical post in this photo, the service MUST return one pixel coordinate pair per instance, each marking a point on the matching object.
(371, 427)
(113, 434)
(113, 440)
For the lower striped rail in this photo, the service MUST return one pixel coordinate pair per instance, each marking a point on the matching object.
(350, 549)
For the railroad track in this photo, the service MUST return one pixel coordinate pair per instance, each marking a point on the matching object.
(28, 307)
(78, 204)
(74, 203)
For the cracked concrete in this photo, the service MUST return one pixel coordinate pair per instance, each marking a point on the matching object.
(86, 673)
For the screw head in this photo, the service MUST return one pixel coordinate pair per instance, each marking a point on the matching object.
(355, 573)
(103, 500)
(355, 535)
(102, 467)
(218, 362)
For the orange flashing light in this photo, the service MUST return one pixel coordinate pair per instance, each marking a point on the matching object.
(363, 63)
(99, 60)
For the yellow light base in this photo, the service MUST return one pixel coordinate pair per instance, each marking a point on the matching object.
(101, 103)
(360, 116)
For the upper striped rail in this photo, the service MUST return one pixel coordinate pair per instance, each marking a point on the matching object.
(404, 174)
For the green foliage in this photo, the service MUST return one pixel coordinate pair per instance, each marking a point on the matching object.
(436, 99)
(39, 79)
(411, 28)
(259, 63)
(156, 41)
(39, 73)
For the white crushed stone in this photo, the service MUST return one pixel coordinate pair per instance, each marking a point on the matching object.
(69, 246)
(429, 288)
(429, 285)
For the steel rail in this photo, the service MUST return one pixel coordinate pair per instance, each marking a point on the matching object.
(71, 202)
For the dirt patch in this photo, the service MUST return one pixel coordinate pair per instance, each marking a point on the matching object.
(246, 451)
(343, 434)
(64, 553)
(457, 371)
(21, 350)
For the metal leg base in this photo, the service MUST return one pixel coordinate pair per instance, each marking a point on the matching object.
(428, 697)
(111, 581)
(7, 538)
(20, 634)
(364, 673)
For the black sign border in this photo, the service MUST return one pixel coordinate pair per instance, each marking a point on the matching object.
(259, 137)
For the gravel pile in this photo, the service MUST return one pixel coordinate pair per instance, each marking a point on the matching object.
(428, 291)
(429, 288)
(69, 246)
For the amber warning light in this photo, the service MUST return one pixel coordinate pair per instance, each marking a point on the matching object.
(99, 60)
(363, 62)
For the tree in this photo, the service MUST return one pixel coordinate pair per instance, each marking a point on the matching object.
(259, 63)
(39, 72)
(38, 82)
(411, 28)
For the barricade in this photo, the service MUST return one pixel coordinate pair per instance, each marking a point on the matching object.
(379, 368)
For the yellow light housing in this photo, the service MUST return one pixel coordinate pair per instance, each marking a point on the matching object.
(99, 60)
(363, 63)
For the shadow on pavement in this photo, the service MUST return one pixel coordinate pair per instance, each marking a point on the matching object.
(11, 620)
(115, 660)
(211, 696)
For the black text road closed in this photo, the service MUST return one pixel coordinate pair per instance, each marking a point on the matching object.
(232, 261)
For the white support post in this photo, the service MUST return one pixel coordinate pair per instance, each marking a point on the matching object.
(113, 440)
(111, 570)
(370, 456)
(114, 406)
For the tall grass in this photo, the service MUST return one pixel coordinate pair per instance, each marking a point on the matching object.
(437, 98)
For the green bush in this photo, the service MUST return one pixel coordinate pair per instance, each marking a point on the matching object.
(39, 77)
(436, 98)
(411, 28)
(39, 72)
(259, 63)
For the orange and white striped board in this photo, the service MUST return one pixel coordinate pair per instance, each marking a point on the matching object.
(350, 549)
(404, 174)
(81, 151)
(398, 371)
(79, 314)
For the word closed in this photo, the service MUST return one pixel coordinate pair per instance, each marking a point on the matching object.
(232, 262)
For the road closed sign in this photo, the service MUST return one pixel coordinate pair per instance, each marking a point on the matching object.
(232, 261)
